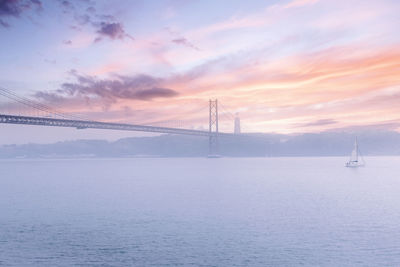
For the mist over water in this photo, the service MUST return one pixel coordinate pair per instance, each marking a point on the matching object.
(200, 212)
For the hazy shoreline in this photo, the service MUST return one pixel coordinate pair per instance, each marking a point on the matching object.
(326, 144)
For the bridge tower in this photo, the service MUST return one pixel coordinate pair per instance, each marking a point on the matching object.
(213, 150)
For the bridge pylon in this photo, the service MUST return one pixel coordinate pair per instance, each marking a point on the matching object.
(213, 146)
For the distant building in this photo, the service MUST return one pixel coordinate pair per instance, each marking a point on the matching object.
(237, 125)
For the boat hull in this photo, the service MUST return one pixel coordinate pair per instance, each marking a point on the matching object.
(352, 165)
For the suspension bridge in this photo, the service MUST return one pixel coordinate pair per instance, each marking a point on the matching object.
(56, 118)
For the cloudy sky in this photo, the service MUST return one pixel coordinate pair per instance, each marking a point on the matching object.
(285, 66)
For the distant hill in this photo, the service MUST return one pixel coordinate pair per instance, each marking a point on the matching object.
(255, 145)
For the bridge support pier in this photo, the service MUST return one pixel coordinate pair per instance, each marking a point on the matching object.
(213, 146)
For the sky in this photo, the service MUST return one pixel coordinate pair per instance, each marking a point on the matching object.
(287, 66)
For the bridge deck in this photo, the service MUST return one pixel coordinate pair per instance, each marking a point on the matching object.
(82, 124)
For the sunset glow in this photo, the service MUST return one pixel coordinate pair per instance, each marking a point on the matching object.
(287, 66)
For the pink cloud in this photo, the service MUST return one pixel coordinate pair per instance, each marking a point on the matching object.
(300, 3)
(280, 91)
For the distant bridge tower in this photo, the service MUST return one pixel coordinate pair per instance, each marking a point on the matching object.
(213, 150)
(237, 125)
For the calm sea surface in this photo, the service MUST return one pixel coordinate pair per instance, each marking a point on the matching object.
(200, 212)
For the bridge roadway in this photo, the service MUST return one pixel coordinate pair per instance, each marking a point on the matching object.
(83, 124)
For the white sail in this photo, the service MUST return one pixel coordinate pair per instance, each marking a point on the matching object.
(354, 158)
(354, 153)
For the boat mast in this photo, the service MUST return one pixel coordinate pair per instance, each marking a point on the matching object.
(356, 149)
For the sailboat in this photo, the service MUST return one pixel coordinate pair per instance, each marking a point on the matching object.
(356, 159)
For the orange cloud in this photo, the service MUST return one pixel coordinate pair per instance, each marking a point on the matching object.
(306, 87)
(348, 85)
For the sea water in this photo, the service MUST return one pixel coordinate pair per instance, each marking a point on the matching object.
(200, 212)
